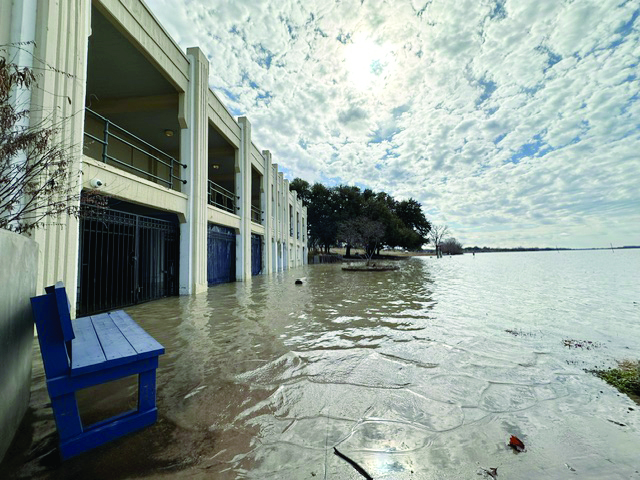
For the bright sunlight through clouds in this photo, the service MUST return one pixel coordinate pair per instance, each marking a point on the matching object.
(368, 63)
(516, 122)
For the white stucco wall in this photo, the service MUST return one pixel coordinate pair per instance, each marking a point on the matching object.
(18, 275)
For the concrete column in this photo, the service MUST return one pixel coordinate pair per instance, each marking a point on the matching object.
(299, 230)
(60, 57)
(267, 206)
(243, 182)
(287, 225)
(294, 224)
(193, 146)
(276, 219)
(305, 242)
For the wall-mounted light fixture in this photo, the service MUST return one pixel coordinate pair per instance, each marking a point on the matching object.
(168, 132)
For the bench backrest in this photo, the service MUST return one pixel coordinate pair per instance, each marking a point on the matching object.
(55, 332)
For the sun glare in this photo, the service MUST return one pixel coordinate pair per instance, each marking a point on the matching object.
(368, 63)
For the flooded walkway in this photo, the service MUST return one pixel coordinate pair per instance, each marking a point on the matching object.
(421, 373)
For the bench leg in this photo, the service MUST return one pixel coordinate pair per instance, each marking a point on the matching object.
(147, 390)
(67, 416)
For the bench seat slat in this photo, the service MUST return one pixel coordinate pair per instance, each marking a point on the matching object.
(87, 353)
(116, 347)
(144, 344)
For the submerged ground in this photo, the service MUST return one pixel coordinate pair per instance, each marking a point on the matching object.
(420, 373)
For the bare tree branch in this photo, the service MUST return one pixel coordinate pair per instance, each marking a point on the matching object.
(36, 181)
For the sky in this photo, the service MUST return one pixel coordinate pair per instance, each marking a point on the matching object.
(515, 123)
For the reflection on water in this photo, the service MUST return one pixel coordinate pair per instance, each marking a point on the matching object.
(418, 373)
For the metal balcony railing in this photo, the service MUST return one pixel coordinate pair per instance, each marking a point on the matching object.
(161, 161)
(221, 197)
(256, 215)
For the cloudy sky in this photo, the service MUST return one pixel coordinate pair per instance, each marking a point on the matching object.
(514, 122)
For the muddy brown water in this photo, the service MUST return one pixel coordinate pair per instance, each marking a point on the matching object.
(420, 373)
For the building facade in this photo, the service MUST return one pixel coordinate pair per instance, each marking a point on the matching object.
(174, 194)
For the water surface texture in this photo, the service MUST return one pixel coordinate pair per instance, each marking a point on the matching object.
(421, 373)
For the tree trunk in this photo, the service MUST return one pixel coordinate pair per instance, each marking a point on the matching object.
(348, 252)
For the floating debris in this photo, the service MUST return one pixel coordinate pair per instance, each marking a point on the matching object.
(617, 423)
(358, 468)
(586, 344)
(516, 444)
(491, 472)
(520, 333)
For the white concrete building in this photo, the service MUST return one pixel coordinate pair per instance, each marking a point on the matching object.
(191, 200)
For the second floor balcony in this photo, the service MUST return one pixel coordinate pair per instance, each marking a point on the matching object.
(256, 214)
(222, 198)
(108, 142)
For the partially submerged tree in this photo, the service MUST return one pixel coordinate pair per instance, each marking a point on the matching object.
(362, 232)
(451, 246)
(34, 168)
(437, 234)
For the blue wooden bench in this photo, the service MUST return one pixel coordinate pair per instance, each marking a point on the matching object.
(90, 351)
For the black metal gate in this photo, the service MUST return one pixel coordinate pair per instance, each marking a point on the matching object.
(125, 259)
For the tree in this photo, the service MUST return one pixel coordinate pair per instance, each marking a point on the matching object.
(437, 233)
(410, 212)
(320, 217)
(34, 168)
(303, 189)
(362, 232)
(330, 209)
(451, 246)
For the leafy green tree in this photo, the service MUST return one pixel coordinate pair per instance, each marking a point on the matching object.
(303, 189)
(347, 204)
(321, 218)
(331, 210)
(411, 214)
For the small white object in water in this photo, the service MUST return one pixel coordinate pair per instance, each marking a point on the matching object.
(193, 392)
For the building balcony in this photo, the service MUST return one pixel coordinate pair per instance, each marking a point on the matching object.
(221, 198)
(107, 142)
(256, 214)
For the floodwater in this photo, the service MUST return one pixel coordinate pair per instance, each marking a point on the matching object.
(421, 373)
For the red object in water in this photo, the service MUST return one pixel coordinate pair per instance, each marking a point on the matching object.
(516, 443)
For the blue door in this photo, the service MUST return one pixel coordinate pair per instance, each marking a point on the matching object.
(221, 254)
(256, 254)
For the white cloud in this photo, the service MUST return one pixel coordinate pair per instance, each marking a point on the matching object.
(517, 124)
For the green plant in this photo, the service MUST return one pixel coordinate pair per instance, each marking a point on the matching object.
(626, 378)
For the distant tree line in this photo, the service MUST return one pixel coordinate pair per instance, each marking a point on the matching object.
(477, 249)
(360, 218)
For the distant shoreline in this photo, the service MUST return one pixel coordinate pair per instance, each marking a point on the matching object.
(545, 249)
(427, 253)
